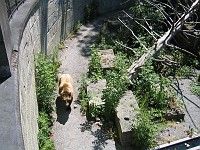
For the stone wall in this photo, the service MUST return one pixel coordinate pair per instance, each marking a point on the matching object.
(38, 26)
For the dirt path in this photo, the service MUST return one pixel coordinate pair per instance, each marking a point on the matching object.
(71, 130)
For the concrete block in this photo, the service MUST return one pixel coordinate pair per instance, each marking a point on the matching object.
(107, 58)
(124, 117)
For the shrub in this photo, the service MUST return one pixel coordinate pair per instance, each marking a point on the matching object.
(151, 89)
(144, 131)
(96, 72)
(46, 74)
(117, 84)
(44, 123)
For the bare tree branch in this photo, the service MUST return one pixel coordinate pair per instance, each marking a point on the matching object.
(176, 47)
(126, 47)
(133, 34)
(165, 15)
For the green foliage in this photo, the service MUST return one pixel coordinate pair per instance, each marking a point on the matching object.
(195, 88)
(96, 72)
(46, 74)
(117, 84)
(91, 11)
(184, 71)
(144, 131)
(83, 96)
(96, 110)
(44, 123)
(77, 26)
(151, 89)
(143, 9)
(186, 65)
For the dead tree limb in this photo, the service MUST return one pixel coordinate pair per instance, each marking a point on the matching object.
(164, 40)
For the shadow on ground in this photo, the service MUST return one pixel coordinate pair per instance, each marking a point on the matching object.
(190, 102)
(101, 137)
(62, 111)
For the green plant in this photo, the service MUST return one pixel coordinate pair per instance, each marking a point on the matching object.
(77, 26)
(84, 97)
(151, 89)
(96, 72)
(96, 110)
(184, 71)
(44, 124)
(195, 88)
(46, 74)
(61, 45)
(117, 84)
(144, 131)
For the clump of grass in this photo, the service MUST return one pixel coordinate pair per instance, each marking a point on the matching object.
(152, 90)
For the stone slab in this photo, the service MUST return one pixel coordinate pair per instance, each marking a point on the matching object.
(107, 58)
(124, 117)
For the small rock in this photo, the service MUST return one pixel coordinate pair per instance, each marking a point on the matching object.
(66, 46)
(75, 106)
(177, 122)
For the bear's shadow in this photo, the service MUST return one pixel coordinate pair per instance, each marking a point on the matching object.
(62, 111)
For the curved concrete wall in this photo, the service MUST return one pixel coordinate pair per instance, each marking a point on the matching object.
(39, 25)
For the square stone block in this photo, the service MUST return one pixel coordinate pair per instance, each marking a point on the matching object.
(124, 117)
(107, 58)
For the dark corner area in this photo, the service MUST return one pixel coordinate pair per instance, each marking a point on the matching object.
(4, 64)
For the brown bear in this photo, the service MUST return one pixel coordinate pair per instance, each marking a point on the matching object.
(66, 89)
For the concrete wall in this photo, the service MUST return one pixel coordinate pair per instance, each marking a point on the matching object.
(39, 25)
(10, 121)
